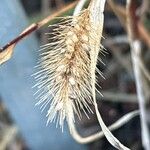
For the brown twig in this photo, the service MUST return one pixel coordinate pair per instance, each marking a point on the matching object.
(29, 30)
(38, 25)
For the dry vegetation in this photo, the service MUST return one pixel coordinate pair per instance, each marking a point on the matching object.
(126, 85)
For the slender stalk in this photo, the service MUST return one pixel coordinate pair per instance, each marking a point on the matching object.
(33, 27)
(135, 45)
(79, 7)
(97, 9)
(84, 140)
(135, 55)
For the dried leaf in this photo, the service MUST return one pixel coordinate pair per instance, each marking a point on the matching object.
(6, 54)
(97, 18)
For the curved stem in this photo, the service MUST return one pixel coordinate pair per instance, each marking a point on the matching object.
(84, 140)
(113, 140)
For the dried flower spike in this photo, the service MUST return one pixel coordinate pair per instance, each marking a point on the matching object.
(66, 80)
(65, 70)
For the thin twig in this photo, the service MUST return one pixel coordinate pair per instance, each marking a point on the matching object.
(38, 25)
(120, 12)
(136, 57)
(122, 121)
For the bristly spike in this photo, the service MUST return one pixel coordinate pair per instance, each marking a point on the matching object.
(68, 63)
(64, 70)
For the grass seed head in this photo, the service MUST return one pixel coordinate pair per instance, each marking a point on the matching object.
(64, 79)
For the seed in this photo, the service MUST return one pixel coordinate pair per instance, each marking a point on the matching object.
(84, 38)
(85, 46)
(67, 55)
(70, 33)
(61, 67)
(59, 77)
(75, 72)
(59, 106)
(77, 27)
(69, 42)
(75, 38)
(88, 28)
(72, 81)
(63, 50)
(70, 48)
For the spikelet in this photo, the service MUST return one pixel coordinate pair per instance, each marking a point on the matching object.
(64, 79)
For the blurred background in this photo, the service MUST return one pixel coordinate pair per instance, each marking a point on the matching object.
(22, 125)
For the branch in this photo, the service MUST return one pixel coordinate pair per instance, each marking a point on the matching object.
(7, 50)
(135, 45)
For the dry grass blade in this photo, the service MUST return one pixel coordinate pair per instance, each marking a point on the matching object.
(120, 12)
(123, 120)
(97, 19)
(136, 48)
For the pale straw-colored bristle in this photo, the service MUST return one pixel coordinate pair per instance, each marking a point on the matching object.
(65, 70)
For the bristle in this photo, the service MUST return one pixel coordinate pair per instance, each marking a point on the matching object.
(65, 70)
